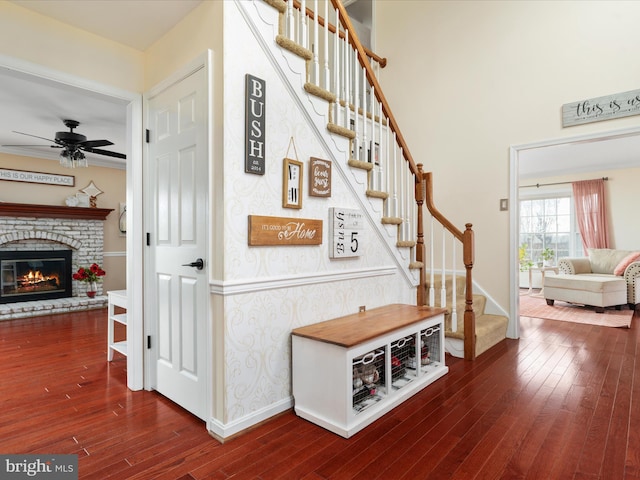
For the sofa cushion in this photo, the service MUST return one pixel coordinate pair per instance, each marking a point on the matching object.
(586, 282)
(625, 262)
(605, 260)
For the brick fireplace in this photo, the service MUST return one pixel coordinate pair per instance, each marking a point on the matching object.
(78, 230)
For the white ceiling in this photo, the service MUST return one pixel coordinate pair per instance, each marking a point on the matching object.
(612, 152)
(38, 107)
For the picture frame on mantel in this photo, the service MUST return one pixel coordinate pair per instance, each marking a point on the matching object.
(292, 171)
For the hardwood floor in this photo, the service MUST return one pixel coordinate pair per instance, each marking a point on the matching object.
(563, 402)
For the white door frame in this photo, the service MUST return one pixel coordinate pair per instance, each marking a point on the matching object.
(134, 197)
(513, 330)
(205, 61)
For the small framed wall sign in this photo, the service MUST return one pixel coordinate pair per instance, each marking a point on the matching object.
(346, 228)
(319, 177)
(291, 183)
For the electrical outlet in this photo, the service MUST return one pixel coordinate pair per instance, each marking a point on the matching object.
(363, 308)
(504, 204)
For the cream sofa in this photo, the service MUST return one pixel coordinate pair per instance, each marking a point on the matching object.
(607, 277)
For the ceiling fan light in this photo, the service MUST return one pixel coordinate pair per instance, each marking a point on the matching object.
(72, 158)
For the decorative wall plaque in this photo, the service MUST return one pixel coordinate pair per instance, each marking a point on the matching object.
(346, 228)
(601, 108)
(264, 231)
(319, 177)
(255, 124)
(291, 183)
(37, 177)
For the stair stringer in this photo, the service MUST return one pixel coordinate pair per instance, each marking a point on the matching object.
(292, 71)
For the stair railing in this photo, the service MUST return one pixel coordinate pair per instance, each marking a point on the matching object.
(340, 70)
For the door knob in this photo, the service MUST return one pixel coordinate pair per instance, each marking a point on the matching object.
(199, 264)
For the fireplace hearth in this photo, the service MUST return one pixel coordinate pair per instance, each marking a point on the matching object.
(34, 275)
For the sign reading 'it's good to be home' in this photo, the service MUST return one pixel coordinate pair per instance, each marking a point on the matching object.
(601, 108)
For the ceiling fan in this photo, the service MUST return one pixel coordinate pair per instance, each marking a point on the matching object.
(73, 145)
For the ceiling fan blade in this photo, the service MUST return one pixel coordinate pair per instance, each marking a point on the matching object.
(95, 143)
(103, 152)
(36, 136)
(48, 146)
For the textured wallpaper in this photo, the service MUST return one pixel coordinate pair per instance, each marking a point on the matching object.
(268, 291)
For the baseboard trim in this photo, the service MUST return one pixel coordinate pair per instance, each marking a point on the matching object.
(223, 431)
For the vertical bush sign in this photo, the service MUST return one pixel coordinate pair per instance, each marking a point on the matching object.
(346, 232)
(255, 103)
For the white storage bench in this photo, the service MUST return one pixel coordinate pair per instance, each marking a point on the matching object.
(350, 371)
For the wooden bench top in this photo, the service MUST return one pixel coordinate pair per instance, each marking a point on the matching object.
(358, 328)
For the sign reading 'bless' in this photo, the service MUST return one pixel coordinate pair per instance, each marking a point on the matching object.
(265, 231)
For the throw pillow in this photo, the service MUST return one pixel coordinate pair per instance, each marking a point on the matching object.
(626, 261)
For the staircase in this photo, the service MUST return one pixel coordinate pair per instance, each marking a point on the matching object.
(490, 328)
(340, 73)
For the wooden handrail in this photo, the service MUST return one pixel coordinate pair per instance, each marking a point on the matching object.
(332, 28)
(434, 211)
(468, 258)
(373, 81)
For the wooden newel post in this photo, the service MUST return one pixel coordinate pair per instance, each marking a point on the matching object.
(469, 316)
(419, 194)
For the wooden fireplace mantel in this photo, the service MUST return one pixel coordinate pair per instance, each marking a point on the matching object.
(52, 211)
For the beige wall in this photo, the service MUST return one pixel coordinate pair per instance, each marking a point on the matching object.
(466, 80)
(621, 190)
(36, 39)
(111, 181)
(32, 37)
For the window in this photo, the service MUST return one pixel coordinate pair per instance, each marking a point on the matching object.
(549, 223)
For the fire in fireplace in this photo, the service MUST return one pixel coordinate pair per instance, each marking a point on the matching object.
(34, 275)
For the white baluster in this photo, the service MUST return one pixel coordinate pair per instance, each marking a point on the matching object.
(432, 290)
(290, 22)
(384, 168)
(327, 86)
(378, 164)
(373, 117)
(400, 186)
(356, 117)
(364, 114)
(443, 289)
(347, 80)
(316, 63)
(454, 300)
(336, 68)
(303, 40)
(392, 181)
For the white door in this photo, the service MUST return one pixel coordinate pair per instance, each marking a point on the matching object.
(177, 280)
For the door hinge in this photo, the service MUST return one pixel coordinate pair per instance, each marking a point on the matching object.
(148, 135)
(148, 239)
(148, 341)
